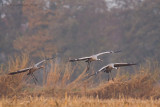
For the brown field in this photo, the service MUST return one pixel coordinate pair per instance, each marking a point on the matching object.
(77, 102)
(64, 86)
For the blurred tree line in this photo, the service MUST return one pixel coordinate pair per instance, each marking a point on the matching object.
(75, 28)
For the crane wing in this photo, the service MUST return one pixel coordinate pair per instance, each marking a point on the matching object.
(20, 71)
(100, 70)
(43, 61)
(103, 68)
(39, 63)
(79, 59)
(123, 64)
(107, 52)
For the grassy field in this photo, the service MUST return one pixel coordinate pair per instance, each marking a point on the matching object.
(63, 86)
(77, 102)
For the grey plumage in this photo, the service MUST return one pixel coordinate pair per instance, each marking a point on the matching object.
(92, 58)
(31, 69)
(108, 68)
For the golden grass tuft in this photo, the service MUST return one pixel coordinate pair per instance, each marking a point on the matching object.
(142, 84)
(12, 85)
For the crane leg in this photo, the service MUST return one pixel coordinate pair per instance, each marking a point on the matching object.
(108, 76)
(111, 76)
(27, 78)
(88, 66)
(34, 78)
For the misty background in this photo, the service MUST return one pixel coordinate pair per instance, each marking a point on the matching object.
(77, 28)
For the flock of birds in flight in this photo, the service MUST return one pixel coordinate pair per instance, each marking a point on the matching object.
(107, 69)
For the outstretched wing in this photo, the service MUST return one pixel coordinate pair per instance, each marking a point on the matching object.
(103, 68)
(100, 70)
(123, 64)
(42, 61)
(39, 63)
(107, 52)
(79, 59)
(20, 71)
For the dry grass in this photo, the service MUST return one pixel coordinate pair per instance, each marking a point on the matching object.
(60, 78)
(77, 102)
(140, 86)
(125, 90)
(12, 85)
